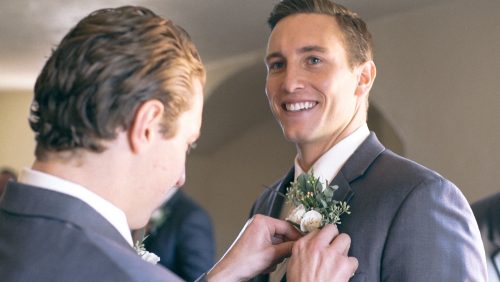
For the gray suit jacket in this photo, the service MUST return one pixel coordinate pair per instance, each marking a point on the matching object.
(49, 236)
(407, 223)
(487, 212)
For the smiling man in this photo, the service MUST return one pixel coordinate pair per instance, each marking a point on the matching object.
(407, 223)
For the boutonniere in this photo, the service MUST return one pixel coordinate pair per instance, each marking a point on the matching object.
(145, 255)
(314, 203)
(157, 219)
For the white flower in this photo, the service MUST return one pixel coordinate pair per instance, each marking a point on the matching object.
(149, 257)
(311, 221)
(145, 255)
(296, 215)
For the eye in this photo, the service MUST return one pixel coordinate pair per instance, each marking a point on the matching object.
(275, 66)
(191, 147)
(313, 60)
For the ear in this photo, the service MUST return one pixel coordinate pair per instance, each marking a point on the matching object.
(367, 73)
(145, 125)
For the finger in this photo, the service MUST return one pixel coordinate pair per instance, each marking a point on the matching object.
(353, 265)
(341, 244)
(282, 251)
(324, 236)
(283, 229)
(346, 268)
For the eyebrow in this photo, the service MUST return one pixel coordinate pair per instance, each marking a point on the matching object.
(305, 49)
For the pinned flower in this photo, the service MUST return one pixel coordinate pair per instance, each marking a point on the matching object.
(296, 215)
(314, 202)
(311, 221)
(145, 255)
(158, 217)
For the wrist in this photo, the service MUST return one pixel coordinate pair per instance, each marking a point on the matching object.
(223, 272)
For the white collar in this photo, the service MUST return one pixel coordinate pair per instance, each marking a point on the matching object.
(110, 212)
(330, 163)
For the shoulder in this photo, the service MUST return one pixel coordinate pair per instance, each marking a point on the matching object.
(67, 253)
(111, 260)
(394, 185)
(402, 175)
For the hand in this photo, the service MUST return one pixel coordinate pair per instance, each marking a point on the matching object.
(318, 257)
(262, 243)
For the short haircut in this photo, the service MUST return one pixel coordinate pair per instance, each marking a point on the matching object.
(356, 37)
(108, 65)
(10, 173)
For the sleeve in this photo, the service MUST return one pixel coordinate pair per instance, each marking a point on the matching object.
(196, 245)
(434, 237)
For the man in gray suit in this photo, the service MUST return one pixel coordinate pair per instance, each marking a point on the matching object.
(116, 108)
(487, 212)
(407, 222)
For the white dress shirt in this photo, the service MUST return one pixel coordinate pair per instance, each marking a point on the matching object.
(110, 212)
(325, 168)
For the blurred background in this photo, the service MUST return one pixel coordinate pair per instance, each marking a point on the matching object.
(436, 98)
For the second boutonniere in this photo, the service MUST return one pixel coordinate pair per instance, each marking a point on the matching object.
(145, 255)
(314, 203)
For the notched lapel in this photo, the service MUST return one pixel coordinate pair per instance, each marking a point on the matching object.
(344, 192)
(272, 199)
(279, 191)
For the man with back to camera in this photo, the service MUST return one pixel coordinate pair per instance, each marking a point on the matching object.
(407, 223)
(116, 107)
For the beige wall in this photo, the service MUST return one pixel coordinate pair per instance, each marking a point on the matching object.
(438, 74)
(16, 139)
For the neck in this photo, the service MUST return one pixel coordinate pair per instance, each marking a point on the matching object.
(102, 173)
(309, 153)
(83, 172)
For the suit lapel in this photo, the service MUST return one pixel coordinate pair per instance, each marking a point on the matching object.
(279, 190)
(344, 192)
(356, 166)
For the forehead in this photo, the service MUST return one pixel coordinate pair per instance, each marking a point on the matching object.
(305, 30)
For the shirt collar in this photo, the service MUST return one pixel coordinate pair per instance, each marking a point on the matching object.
(330, 163)
(110, 212)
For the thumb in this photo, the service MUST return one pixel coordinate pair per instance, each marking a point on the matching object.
(282, 250)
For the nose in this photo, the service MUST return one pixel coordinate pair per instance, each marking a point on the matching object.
(182, 179)
(292, 79)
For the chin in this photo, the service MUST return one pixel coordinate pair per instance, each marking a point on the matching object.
(294, 136)
(138, 224)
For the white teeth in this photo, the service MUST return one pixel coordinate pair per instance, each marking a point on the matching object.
(301, 106)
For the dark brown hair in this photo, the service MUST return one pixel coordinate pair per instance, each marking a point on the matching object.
(357, 39)
(110, 63)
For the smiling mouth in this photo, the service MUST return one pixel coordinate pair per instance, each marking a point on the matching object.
(298, 107)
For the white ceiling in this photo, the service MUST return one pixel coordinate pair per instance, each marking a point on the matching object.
(221, 28)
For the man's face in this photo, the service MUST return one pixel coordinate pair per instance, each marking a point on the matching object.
(169, 161)
(310, 86)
